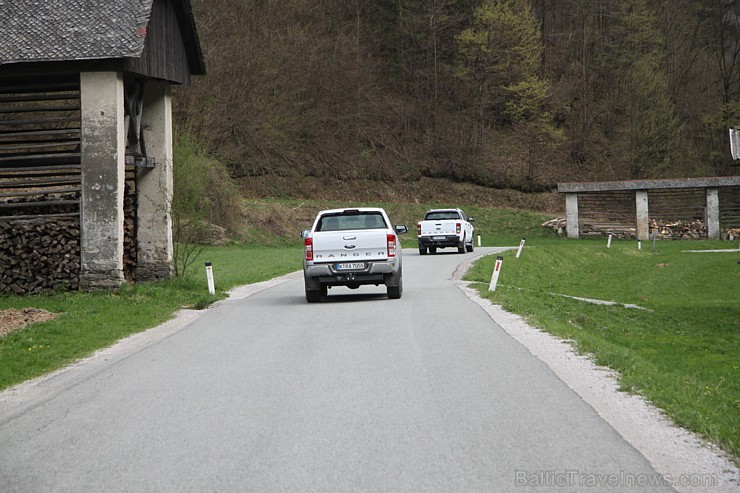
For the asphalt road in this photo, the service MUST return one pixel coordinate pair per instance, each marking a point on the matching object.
(356, 393)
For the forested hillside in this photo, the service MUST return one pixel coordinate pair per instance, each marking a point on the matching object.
(502, 93)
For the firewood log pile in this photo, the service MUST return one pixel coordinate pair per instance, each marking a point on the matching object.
(733, 234)
(665, 230)
(557, 224)
(129, 236)
(38, 255)
(41, 253)
(585, 229)
(679, 230)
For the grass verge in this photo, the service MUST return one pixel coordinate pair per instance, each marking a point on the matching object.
(90, 321)
(681, 353)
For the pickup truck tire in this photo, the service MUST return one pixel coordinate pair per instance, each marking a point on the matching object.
(422, 250)
(313, 296)
(470, 247)
(314, 291)
(394, 285)
(461, 246)
(432, 250)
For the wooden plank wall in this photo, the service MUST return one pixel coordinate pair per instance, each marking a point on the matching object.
(40, 149)
(673, 205)
(729, 208)
(607, 211)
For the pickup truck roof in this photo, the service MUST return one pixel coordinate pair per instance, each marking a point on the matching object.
(351, 219)
(443, 214)
(360, 209)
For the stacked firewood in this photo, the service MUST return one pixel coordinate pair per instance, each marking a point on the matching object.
(38, 255)
(683, 230)
(129, 237)
(585, 229)
(557, 224)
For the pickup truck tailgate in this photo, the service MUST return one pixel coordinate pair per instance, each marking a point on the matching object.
(332, 246)
(445, 227)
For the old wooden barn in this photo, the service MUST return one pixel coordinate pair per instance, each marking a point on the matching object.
(86, 139)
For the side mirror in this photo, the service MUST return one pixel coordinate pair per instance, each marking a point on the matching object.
(401, 229)
(471, 220)
(305, 233)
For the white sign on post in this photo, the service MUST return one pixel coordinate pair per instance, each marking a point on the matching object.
(735, 143)
(521, 246)
(496, 272)
(209, 276)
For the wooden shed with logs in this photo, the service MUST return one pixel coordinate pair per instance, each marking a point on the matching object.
(86, 139)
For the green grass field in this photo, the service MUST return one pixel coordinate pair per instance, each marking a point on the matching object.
(681, 353)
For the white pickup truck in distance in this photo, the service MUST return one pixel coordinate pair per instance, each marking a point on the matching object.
(352, 247)
(443, 228)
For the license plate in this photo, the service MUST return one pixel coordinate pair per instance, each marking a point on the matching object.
(351, 266)
(438, 238)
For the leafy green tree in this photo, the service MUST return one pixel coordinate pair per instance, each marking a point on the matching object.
(648, 130)
(719, 32)
(501, 55)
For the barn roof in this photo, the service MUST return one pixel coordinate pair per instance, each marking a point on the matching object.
(69, 30)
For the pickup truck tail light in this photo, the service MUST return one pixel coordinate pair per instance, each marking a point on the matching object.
(457, 228)
(308, 248)
(391, 245)
(418, 227)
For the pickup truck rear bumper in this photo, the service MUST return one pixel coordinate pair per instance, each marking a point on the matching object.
(446, 241)
(327, 274)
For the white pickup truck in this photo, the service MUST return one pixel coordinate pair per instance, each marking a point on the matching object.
(352, 247)
(442, 228)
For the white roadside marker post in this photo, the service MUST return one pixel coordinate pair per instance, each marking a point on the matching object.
(521, 246)
(496, 272)
(609, 242)
(639, 245)
(479, 241)
(209, 276)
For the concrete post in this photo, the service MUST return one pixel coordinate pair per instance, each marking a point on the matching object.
(103, 173)
(642, 215)
(712, 219)
(571, 215)
(154, 186)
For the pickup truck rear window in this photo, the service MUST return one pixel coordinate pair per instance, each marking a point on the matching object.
(441, 216)
(351, 220)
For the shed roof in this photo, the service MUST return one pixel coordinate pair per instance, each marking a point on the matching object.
(69, 30)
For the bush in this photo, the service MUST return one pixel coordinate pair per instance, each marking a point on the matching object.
(205, 199)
